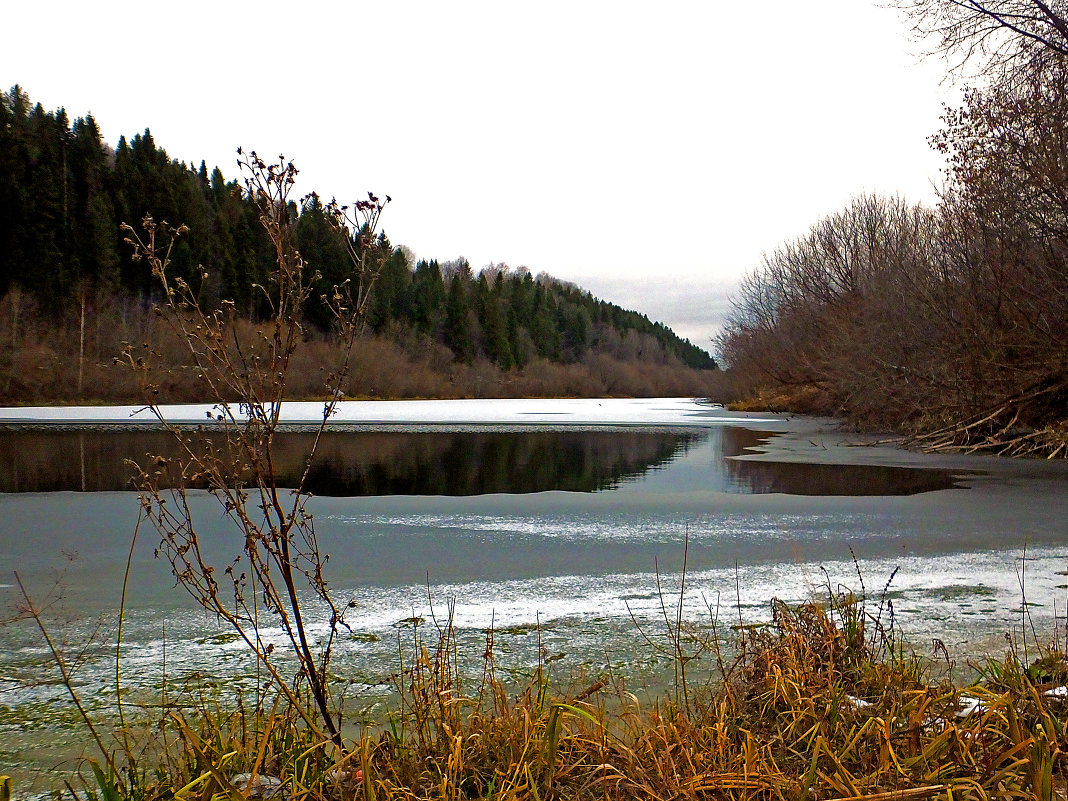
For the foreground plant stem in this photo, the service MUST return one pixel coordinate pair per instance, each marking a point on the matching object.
(246, 376)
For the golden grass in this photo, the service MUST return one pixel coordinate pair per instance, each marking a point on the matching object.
(802, 399)
(818, 704)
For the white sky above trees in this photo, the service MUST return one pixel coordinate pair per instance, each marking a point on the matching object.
(648, 152)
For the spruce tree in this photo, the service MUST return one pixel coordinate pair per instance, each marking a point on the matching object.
(391, 299)
(428, 297)
(489, 306)
(94, 215)
(457, 331)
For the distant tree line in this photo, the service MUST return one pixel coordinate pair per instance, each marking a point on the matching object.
(951, 322)
(64, 194)
(509, 317)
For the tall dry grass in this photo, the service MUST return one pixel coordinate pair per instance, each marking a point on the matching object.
(821, 702)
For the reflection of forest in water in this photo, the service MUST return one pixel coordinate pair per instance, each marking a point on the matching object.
(363, 463)
(805, 478)
(791, 478)
(480, 462)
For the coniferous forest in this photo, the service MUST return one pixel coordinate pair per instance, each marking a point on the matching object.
(71, 294)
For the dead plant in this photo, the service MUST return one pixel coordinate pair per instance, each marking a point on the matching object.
(246, 380)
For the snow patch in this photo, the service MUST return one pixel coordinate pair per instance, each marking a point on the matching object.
(518, 412)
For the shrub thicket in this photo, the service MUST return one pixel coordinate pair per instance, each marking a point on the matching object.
(950, 322)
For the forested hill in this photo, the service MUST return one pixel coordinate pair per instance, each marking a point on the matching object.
(64, 193)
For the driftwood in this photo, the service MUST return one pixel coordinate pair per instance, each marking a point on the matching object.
(1008, 428)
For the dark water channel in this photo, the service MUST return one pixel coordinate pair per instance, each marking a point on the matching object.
(450, 463)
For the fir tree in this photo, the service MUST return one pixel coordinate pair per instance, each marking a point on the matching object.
(457, 331)
(428, 296)
(491, 318)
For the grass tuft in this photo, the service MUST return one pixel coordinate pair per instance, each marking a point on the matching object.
(820, 703)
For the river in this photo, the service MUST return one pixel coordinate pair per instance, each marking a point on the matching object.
(560, 526)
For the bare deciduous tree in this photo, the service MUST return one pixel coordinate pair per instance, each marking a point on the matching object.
(997, 38)
(951, 322)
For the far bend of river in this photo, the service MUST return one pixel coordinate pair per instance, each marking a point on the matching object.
(554, 538)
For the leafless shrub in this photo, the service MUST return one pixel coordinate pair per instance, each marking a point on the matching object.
(245, 371)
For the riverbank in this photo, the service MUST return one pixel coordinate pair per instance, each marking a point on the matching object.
(819, 702)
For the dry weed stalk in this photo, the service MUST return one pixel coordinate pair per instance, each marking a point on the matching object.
(232, 454)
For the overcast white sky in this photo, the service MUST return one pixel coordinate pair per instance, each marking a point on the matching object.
(649, 152)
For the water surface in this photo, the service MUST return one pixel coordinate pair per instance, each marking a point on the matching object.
(477, 461)
(556, 539)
